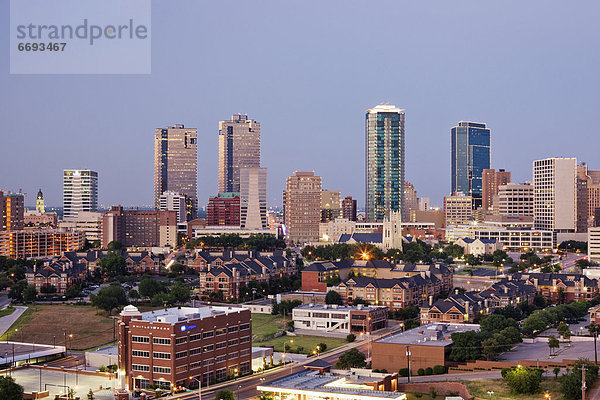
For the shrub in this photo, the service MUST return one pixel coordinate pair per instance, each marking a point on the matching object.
(350, 338)
(522, 379)
(420, 372)
(428, 371)
(432, 392)
(403, 372)
(439, 369)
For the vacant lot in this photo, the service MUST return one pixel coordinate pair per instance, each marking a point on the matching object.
(480, 388)
(49, 324)
(265, 326)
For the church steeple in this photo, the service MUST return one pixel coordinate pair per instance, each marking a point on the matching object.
(39, 202)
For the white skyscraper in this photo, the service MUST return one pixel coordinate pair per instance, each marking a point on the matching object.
(172, 201)
(555, 195)
(253, 198)
(80, 191)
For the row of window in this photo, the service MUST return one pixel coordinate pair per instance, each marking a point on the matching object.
(146, 368)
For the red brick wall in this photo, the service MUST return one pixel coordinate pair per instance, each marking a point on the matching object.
(310, 282)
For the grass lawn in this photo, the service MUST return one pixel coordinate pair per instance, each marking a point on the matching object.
(479, 388)
(264, 326)
(42, 323)
(7, 311)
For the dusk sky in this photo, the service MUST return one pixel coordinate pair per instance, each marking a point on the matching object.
(308, 71)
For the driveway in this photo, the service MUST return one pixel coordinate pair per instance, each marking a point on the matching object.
(7, 321)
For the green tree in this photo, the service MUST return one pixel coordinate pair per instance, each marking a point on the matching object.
(351, 359)
(570, 381)
(496, 322)
(9, 389)
(114, 245)
(16, 290)
(490, 348)
(466, 346)
(553, 343)
(73, 291)
(359, 300)
(522, 380)
(133, 294)
(333, 297)
(149, 287)
(351, 337)
(225, 395)
(29, 294)
(556, 371)
(180, 293)
(454, 251)
(109, 298)
(113, 264)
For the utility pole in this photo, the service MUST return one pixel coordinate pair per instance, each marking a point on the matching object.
(408, 362)
(583, 382)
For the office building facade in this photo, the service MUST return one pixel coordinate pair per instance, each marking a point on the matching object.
(330, 205)
(458, 209)
(470, 156)
(302, 207)
(239, 147)
(223, 209)
(80, 191)
(12, 211)
(176, 165)
(139, 228)
(491, 181)
(555, 194)
(171, 201)
(253, 198)
(385, 164)
(349, 208)
(39, 243)
(515, 200)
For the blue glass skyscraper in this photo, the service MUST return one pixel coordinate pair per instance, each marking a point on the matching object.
(470, 156)
(385, 161)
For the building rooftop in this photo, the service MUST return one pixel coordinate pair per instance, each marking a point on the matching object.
(434, 334)
(337, 307)
(180, 314)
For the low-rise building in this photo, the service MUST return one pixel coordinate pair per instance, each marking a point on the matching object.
(559, 287)
(340, 319)
(164, 348)
(478, 247)
(137, 262)
(54, 277)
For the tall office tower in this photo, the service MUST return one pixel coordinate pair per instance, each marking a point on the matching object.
(470, 156)
(176, 166)
(302, 207)
(514, 199)
(490, 182)
(582, 194)
(80, 191)
(593, 195)
(239, 147)
(223, 209)
(39, 203)
(330, 205)
(385, 161)
(12, 211)
(424, 204)
(172, 201)
(349, 208)
(253, 198)
(411, 202)
(458, 209)
(555, 194)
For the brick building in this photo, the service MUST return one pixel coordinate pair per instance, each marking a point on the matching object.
(137, 262)
(166, 347)
(340, 319)
(559, 287)
(12, 209)
(139, 228)
(223, 209)
(58, 274)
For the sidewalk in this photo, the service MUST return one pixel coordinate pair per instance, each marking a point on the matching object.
(7, 321)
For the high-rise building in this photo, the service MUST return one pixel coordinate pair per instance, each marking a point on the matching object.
(424, 204)
(593, 196)
(555, 194)
(411, 202)
(239, 147)
(385, 161)
(253, 198)
(330, 205)
(80, 191)
(458, 209)
(139, 228)
(302, 207)
(515, 200)
(176, 165)
(223, 209)
(349, 208)
(594, 244)
(12, 211)
(39, 203)
(470, 156)
(172, 201)
(491, 180)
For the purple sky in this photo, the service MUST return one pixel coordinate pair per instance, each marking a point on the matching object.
(308, 70)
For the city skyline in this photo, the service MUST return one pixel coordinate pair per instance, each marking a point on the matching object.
(511, 87)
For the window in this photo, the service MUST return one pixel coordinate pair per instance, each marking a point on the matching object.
(195, 365)
(243, 327)
(221, 345)
(233, 355)
(197, 336)
(164, 356)
(140, 339)
(195, 351)
(181, 354)
(208, 362)
(210, 347)
(181, 340)
(142, 368)
(233, 329)
(158, 340)
(233, 342)
(245, 339)
(208, 334)
(139, 353)
(221, 373)
(161, 370)
(244, 352)
(221, 358)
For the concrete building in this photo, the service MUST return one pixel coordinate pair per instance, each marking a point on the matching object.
(392, 231)
(175, 165)
(512, 239)
(491, 181)
(166, 347)
(426, 346)
(594, 244)
(411, 201)
(478, 247)
(302, 207)
(385, 163)
(223, 210)
(349, 208)
(88, 222)
(555, 194)
(470, 155)
(514, 199)
(239, 147)
(437, 217)
(331, 206)
(458, 209)
(35, 219)
(39, 243)
(253, 198)
(80, 191)
(171, 201)
(139, 228)
(12, 211)
(424, 204)
(340, 319)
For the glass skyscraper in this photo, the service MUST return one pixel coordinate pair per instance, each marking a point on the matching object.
(470, 156)
(385, 161)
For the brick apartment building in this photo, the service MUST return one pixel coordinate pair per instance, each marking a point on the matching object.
(166, 347)
(58, 274)
(139, 228)
(137, 262)
(223, 209)
(561, 287)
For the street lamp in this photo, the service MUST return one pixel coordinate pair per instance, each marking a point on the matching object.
(547, 395)
(238, 391)
(199, 387)
(491, 393)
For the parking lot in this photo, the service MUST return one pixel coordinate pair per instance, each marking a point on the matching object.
(541, 352)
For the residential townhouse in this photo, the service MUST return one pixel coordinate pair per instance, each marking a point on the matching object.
(561, 287)
(58, 274)
(138, 262)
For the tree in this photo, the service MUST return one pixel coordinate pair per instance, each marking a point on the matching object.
(553, 343)
(359, 300)
(322, 347)
(490, 348)
(134, 294)
(556, 371)
(114, 245)
(594, 330)
(497, 322)
(90, 394)
(564, 331)
(9, 389)
(109, 298)
(149, 287)
(29, 294)
(16, 290)
(73, 291)
(225, 395)
(522, 380)
(113, 265)
(351, 337)
(351, 359)
(466, 346)
(333, 297)
(48, 289)
(180, 293)
(570, 381)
